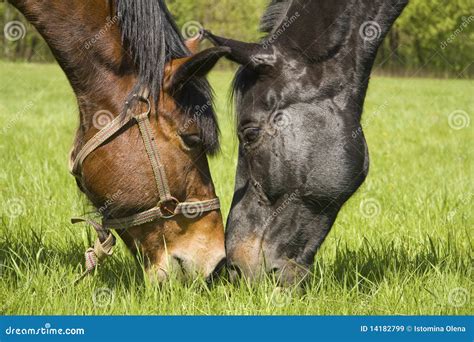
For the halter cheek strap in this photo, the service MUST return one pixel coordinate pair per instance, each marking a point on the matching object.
(167, 207)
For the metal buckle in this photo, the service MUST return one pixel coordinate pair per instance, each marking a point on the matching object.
(168, 207)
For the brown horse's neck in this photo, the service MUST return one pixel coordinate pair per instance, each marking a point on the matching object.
(85, 39)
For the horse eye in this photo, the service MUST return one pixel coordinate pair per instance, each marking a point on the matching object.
(250, 135)
(192, 140)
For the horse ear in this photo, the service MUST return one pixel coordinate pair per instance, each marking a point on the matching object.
(180, 71)
(250, 55)
(194, 43)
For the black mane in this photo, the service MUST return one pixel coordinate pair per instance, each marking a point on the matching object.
(274, 15)
(152, 38)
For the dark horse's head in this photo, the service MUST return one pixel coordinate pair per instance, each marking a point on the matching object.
(299, 96)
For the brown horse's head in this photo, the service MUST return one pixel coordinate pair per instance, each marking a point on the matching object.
(191, 243)
(109, 50)
(185, 130)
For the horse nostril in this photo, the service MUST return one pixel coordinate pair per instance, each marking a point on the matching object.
(217, 271)
(220, 266)
(275, 270)
(234, 272)
(180, 262)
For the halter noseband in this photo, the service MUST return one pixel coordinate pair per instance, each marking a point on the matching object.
(167, 207)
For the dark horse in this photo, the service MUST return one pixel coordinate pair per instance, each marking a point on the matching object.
(111, 51)
(299, 96)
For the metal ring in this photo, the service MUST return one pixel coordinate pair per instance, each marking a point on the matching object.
(164, 209)
(147, 101)
(143, 99)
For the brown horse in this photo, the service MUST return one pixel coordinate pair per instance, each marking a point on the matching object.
(111, 52)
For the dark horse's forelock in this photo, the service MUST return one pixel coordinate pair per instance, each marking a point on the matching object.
(272, 18)
(152, 38)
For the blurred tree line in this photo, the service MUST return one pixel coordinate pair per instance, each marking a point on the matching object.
(433, 37)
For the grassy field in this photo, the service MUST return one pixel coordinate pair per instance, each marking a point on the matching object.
(402, 245)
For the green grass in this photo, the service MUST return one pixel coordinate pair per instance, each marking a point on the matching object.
(412, 255)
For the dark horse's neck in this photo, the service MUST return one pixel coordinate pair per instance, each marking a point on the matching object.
(339, 37)
(91, 55)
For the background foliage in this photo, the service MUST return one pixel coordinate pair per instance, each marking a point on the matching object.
(417, 45)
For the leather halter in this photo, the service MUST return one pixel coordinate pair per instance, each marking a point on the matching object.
(167, 207)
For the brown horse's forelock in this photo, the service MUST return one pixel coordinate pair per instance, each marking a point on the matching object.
(152, 38)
